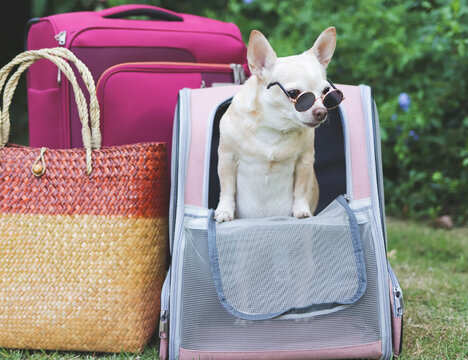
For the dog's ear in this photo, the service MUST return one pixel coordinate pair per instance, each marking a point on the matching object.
(260, 54)
(324, 46)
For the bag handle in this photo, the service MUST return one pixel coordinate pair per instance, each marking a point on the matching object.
(153, 12)
(91, 138)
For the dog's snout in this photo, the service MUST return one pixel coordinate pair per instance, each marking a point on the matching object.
(320, 114)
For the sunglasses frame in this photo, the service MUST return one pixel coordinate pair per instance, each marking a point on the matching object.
(294, 101)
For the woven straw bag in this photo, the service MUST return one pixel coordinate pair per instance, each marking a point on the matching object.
(83, 233)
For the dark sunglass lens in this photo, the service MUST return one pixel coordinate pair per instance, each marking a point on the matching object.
(333, 99)
(305, 101)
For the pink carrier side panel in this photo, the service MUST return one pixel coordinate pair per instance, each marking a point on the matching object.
(357, 138)
(201, 116)
(367, 351)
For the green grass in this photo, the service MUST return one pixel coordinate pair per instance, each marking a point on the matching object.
(151, 353)
(432, 266)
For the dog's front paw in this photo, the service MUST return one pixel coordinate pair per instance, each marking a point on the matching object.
(302, 213)
(222, 215)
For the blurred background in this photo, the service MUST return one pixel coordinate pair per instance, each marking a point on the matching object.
(414, 55)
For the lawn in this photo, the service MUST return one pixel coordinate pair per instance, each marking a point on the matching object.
(432, 266)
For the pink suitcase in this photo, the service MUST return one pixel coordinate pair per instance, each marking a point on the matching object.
(107, 38)
(134, 97)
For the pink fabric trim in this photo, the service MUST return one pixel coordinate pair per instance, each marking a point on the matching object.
(397, 326)
(163, 347)
(357, 136)
(368, 351)
(202, 106)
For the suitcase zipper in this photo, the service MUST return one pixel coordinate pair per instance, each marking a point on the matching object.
(237, 69)
(239, 73)
(61, 38)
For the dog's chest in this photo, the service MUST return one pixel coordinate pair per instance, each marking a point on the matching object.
(264, 188)
(265, 181)
(271, 149)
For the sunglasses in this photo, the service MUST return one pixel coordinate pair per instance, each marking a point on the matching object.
(304, 101)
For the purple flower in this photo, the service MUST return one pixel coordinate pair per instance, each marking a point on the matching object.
(394, 117)
(413, 134)
(404, 101)
(248, 1)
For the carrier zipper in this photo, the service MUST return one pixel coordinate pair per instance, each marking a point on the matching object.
(164, 317)
(61, 38)
(398, 303)
(163, 325)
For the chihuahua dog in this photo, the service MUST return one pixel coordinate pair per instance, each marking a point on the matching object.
(266, 150)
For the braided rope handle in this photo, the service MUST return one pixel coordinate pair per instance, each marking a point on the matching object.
(91, 139)
(89, 82)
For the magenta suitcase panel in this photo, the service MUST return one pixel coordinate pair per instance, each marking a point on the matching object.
(138, 99)
(106, 38)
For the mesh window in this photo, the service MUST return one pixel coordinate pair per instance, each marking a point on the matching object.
(207, 326)
(263, 268)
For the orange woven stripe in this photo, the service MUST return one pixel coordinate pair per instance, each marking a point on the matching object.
(127, 180)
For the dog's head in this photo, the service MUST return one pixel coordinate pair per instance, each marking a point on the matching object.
(280, 81)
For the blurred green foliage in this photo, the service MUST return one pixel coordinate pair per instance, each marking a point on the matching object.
(419, 48)
(415, 47)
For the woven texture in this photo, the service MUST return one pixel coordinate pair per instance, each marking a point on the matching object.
(83, 253)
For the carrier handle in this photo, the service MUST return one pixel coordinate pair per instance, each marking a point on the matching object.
(57, 56)
(153, 12)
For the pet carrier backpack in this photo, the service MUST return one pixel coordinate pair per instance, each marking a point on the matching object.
(280, 288)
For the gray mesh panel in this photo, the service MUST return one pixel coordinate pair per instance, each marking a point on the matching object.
(266, 267)
(206, 325)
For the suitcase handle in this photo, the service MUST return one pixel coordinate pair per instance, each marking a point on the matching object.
(59, 56)
(153, 12)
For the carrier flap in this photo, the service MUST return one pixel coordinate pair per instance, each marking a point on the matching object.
(264, 268)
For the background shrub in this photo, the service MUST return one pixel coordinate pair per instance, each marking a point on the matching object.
(412, 53)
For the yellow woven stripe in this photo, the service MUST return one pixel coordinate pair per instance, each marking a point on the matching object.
(80, 282)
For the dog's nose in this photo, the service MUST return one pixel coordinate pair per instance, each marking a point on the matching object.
(320, 114)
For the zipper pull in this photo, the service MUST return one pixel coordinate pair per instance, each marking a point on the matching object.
(399, 304)
(61, 38)
(241, 73)
(163, 325)
(234, 73)
(238, 73)
(347, 197)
